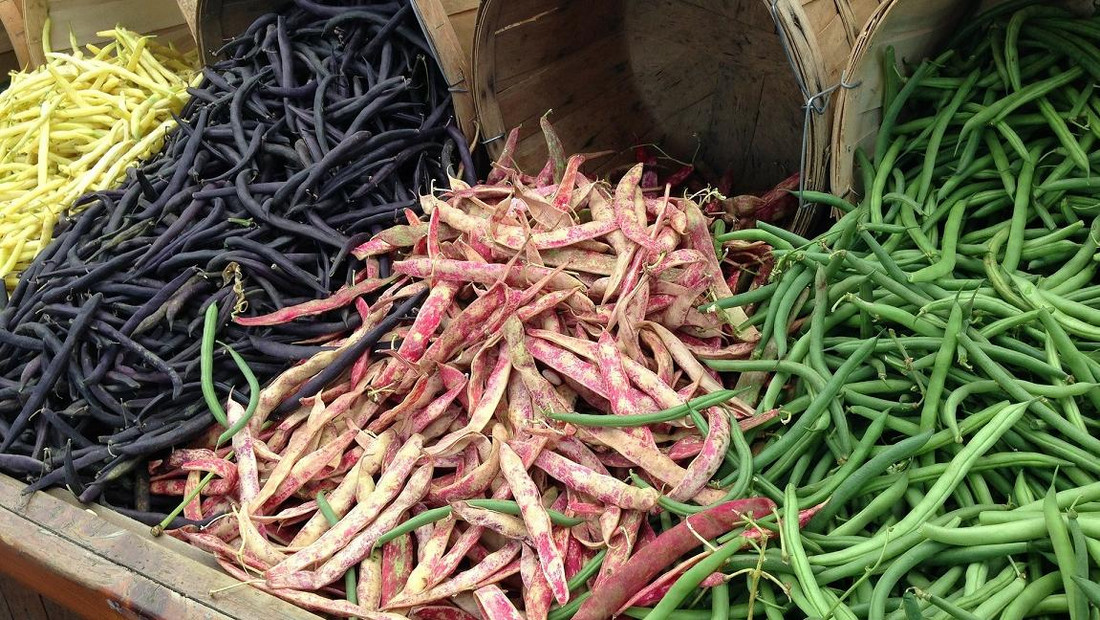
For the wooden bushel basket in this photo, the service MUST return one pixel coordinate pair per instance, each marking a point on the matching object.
(84, 18)
(708, 81)
(915, 28)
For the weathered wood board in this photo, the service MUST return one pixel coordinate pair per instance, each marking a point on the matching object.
(99, 564)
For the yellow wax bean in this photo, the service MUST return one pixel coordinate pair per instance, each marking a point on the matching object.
(12, 259)
(74, 125)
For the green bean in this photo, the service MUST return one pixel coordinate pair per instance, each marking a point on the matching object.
(1079, 261)
(1064, 43)
(850, 487)
(567, 610)
(1000, 159)
(206, 364)
(945, 605)
(828, 200)
(435, 514)
(1045, 413)
(880, 386)
(644, 419)
(756, 234)
(952, 184)
(1084, 294)
(756, 295)
(1019, 356)
(983, 553)
(590, 568)
(1019, 530)
(977, 575)
(720, 602)
(999, 600)
(1058, 447)
(845, 345)
(1075, 288)
(989, 464)
(784, 306)
(804, 443)
(253, 398)
(681, 614)
(791, 285)
(897, 569)
(971, 143)
(800, 563)
(826, 397)
(921, 325)
(790, 237)
(1079, 311)
(801, 466)
(853, 559)
(1076, 154)
(958, 467)
(956, 397)
(1064, 556)
(1013, 139)
(350, 579)
(1004, 107)
(916, 232)
(855, 399)
(1006, 527)
(817, 320)
(1001, 326)
(981, 593)
(1015, 241)
(994, 604)
(772, 609)
(859, 455)
(1080, 551)
(1090, 589)
(159, 528)
(947, 258)
(944, 357)
(891, 113)
(743, 457)
(878, 506)
(943, 118)
(689, 580)
(879, 277)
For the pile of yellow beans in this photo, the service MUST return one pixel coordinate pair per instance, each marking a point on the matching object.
(74, 125)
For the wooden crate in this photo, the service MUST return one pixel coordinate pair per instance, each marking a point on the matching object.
(84, 18)
(87, 561)
(709, 80)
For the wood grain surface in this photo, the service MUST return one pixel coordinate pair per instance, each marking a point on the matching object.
(99, 564)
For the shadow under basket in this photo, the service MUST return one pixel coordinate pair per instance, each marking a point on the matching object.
(706, 81)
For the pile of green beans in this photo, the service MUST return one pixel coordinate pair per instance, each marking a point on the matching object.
(937, 350)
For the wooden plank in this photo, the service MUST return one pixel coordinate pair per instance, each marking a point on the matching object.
(190, 10)
(451, 57)
(110, 568)
(18, 602)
